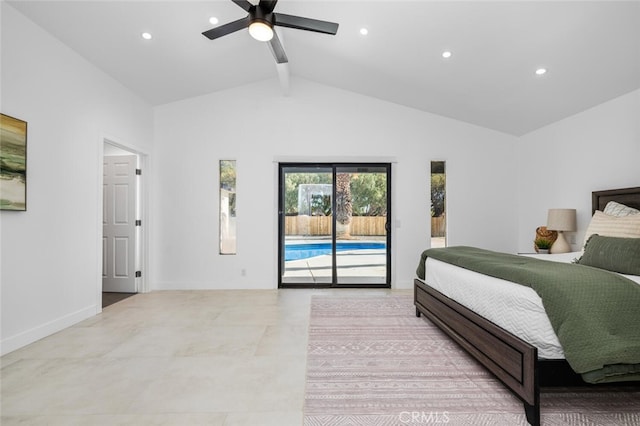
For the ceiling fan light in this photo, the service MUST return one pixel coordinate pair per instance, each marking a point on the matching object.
(261, 31)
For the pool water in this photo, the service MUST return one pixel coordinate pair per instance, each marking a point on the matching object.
(307, 250)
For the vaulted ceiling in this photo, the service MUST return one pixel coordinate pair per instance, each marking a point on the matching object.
(591, 50)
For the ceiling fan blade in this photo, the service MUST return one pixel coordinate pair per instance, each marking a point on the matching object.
(225, 29)
(277, 49)
(308, 24)
(268, 5)
(243, 4)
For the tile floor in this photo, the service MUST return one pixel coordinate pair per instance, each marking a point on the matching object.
(219, 358)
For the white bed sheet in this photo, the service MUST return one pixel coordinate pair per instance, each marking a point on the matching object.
(514, 307)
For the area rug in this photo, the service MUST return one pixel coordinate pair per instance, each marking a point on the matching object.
(372, 362)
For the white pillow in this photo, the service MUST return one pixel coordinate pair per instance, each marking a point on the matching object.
(613, 226)
(616, 209)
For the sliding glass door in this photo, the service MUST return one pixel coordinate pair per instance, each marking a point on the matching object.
(306, 228)
(362, 231)
(334, 225)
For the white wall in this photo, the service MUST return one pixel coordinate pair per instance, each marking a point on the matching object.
(561, 164)
(256, 126)
(50, 266)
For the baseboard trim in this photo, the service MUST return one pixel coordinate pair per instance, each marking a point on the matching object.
(207, 285)
(26, 337)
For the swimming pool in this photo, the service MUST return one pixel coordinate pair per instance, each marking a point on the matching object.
(307, 250)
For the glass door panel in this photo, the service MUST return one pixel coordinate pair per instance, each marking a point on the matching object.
(361, 213)
(306, 228)
(334, 225)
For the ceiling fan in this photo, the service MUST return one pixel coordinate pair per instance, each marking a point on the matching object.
(261, 20)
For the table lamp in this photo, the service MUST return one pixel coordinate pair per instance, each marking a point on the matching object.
(561, 220)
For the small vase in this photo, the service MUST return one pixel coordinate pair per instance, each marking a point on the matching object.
(543, 251)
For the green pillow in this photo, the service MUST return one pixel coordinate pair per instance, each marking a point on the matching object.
(613, 254)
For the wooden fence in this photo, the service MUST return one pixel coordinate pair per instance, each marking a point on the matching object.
(321, 225)
(438, 226)
(360, 225)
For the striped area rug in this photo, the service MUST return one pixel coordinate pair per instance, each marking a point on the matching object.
(372, 362)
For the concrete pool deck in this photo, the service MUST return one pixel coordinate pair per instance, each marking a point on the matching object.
(366, 266)
(363, 266)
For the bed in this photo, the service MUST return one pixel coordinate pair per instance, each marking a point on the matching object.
(516, 358)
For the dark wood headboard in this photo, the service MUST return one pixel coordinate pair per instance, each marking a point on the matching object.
(627, 196)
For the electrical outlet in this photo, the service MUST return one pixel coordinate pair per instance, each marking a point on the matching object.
(572, 239)
(243, 272)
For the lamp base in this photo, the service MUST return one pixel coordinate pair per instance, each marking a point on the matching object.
(560, 245)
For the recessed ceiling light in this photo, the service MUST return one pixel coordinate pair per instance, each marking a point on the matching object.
(213, 20)
(147, 36)
(364, 31)
(446, 54)
(541, 71)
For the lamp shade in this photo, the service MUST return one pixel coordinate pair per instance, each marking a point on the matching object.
(561, 220)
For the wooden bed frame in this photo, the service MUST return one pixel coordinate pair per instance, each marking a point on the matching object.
(512, 360)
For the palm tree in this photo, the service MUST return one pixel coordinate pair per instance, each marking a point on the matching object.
(344, 208)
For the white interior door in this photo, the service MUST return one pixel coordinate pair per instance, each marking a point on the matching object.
(119, 224)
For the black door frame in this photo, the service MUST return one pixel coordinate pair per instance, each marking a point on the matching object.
(281, 225)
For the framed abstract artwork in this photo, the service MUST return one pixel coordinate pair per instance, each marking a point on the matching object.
(13, 163)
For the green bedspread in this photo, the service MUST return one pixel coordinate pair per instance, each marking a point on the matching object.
(594, 313)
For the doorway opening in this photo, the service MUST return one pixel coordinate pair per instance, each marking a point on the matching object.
(334, 225)
(121, 224)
